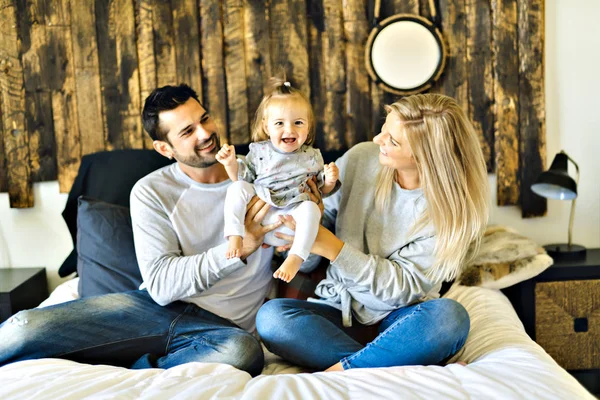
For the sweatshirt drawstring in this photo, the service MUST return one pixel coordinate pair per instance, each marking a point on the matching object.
(336, 292)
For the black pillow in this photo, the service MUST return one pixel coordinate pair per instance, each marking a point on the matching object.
(106, 260)
(107, 176)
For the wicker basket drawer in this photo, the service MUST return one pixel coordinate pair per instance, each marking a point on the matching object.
(567, 322)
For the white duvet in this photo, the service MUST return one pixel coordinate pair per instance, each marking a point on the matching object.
(503, 363)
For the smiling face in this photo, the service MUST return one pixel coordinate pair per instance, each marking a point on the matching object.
(287, 124)
(191, 135)
(394, 150)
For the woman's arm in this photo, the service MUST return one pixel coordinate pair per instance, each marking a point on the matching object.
(326, 244)
(328, 207)
(397, 280)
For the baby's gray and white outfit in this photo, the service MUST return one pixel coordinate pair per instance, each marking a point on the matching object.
(280, 179)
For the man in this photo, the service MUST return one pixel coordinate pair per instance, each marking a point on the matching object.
(195, 305)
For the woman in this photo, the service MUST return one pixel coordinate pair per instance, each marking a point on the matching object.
(410, 207)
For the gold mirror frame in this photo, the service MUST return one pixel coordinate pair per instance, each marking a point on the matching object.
(396, 19)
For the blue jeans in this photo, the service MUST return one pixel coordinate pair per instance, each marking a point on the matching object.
(312, 335)
(130, 330)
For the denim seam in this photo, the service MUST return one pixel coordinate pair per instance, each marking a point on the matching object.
(172, 327)
(346, 361)
(103, 344)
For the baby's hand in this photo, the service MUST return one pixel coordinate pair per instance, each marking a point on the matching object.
(332, 173)
(226, 155)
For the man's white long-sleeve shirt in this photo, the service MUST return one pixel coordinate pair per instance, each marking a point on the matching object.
(178, 235)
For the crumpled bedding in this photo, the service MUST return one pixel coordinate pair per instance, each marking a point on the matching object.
(503, 363)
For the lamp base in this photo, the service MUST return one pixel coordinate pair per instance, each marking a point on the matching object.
(564, 252)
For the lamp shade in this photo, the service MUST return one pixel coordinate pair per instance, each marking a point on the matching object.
(556, 183)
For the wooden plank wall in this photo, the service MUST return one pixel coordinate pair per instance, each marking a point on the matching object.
(74, 76)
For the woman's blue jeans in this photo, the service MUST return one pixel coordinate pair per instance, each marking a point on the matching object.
(312, 335)
(130, 330)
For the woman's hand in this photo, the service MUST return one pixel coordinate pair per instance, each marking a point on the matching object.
(255, 231)
(314, 194)
(326, 243)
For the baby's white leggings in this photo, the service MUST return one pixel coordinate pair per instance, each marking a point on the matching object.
(306, 214)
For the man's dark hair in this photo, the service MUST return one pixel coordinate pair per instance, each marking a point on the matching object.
(164, 99)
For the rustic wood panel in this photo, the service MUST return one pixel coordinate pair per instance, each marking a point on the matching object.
(393, 7)
(235, 71)
(66, 130)
(64, 104)
(213, 67)
(316, 31)
(335, 76)
(506, 94)
(3, 168)
(425, 10)
(40, 126)
(453, 81)
(87, 76)
(257, 52)
(187, 43)
(532, 110)
(38, 74)
(164, 43)
(289, 41)
(358, 101)
(480, 75)
(145, 54)
(12, 103)
(115, 27)
(89, 65)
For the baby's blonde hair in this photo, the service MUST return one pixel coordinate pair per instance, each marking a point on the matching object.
(452, 173)
(279, 89)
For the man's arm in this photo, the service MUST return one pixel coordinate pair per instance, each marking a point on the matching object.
(167, 274)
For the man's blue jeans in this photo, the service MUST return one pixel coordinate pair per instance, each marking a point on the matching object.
(312, 335)
(130, 330)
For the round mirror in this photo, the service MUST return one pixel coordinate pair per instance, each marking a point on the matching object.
(405, 54)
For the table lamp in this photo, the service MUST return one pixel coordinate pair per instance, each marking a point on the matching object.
(558, 185)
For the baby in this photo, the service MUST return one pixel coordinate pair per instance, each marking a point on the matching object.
(279, 163)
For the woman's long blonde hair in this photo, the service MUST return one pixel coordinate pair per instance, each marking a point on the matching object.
(278, 89)
(453, 176)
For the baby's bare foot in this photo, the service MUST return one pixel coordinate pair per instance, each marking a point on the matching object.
(289, 268)
(235, 247)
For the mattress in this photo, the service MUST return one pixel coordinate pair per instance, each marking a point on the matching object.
(502, 363)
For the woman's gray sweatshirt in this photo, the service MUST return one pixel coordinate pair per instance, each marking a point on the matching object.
(380, 267)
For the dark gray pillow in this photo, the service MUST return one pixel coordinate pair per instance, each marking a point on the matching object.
(106, 260)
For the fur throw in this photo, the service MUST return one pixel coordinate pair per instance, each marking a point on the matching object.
(504, 259)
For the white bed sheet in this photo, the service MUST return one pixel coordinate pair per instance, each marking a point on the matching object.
(503, 363)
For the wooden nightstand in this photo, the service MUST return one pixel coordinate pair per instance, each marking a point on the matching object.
(21, 289)
(560, 310)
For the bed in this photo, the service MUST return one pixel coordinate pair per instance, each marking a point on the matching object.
(502, 363)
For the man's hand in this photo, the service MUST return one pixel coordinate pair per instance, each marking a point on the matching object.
(226, 155)
(255, 231)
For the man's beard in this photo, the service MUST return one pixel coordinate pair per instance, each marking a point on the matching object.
(199, 160)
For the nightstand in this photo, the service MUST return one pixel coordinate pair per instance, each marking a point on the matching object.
(560, 310)
(21, 289)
